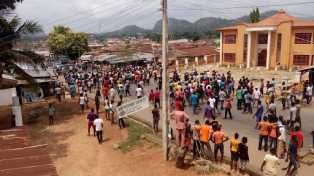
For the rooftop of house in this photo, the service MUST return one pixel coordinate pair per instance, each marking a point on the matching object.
(280, 17)
(193, 50)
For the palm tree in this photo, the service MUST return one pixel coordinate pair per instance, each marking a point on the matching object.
(10, 31)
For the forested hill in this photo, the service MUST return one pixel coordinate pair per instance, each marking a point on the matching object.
(180, 28)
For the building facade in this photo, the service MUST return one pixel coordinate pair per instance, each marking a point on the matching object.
(280, 41)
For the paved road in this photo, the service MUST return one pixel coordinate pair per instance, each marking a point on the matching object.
(243, 124)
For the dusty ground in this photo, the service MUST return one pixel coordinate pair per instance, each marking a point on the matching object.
(75, 153)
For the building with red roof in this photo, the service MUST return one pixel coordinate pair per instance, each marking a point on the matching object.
(279, 41)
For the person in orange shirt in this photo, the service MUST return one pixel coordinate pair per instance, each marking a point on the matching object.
(205, 135)
(273, 136)
(218, 139)
(264, 128)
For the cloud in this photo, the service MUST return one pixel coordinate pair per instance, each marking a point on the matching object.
(108, 15)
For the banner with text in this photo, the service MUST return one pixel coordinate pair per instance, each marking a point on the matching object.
(133, 106)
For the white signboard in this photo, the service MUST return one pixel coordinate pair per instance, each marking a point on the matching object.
(133, 106)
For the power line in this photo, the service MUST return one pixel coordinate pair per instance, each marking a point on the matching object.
(126, 13)
(78, 13)
(246, 7)
(90, 15)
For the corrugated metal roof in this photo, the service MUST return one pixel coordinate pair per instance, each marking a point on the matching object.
(19, 158)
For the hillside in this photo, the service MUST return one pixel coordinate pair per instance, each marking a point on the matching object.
(180, 28)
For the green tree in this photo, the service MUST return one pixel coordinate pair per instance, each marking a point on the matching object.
(63, 41)
(255, 15)
(10, 31)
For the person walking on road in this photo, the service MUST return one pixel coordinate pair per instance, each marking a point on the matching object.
(206, 132)
(259, 113)
(270, 164)
(194, 102)
(82, 102)
(247, 102)
(180, 118)
(222, 96)
(157, 97)
(99, 124)
(228, 106)
(97, 103)
(239, 96)
(292, 156)
(208, 112)
(243, 155)
(234, 148)
(90, 121)
(282, 149)
(196, 139)
(120, 118)
(156, 118)
(264, 128)
(218, 139)
(51, 113)
(139, 91)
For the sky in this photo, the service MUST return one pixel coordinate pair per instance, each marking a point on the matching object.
(108, 15)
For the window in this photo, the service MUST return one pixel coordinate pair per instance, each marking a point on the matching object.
(262, 38)
(278, 52)
(303, 38)
(230, 39)
(229, 57)
(301, 60)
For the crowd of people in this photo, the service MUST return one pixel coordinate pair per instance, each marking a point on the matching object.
(109, 86)
(278, 134)
(210, 95)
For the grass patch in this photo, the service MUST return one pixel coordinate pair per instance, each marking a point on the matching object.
(135, 131)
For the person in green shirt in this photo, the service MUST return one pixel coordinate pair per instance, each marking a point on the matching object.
(239, 96)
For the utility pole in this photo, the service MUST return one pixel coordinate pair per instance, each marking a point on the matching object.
(164, 111)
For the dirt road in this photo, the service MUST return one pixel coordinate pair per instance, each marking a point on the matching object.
(75, 153)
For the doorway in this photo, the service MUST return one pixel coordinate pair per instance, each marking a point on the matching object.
(261, 59)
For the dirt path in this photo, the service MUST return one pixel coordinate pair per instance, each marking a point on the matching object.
(87, 158)
(75, 153)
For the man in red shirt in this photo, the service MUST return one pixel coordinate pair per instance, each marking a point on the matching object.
(297, 132)
(157, 97)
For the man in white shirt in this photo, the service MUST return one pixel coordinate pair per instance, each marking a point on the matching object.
(112, 94)
(309, 93)
(282, 141)
(212, 101)
(99, 124)
(270, 164)
(257, 96)
(139, 91)
(293, 113)
(82, 102)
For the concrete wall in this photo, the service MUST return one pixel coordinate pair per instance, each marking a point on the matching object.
(6, 96)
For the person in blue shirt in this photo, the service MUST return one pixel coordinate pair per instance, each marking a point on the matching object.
(194, 102)
(259, 113)
(222, 85)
